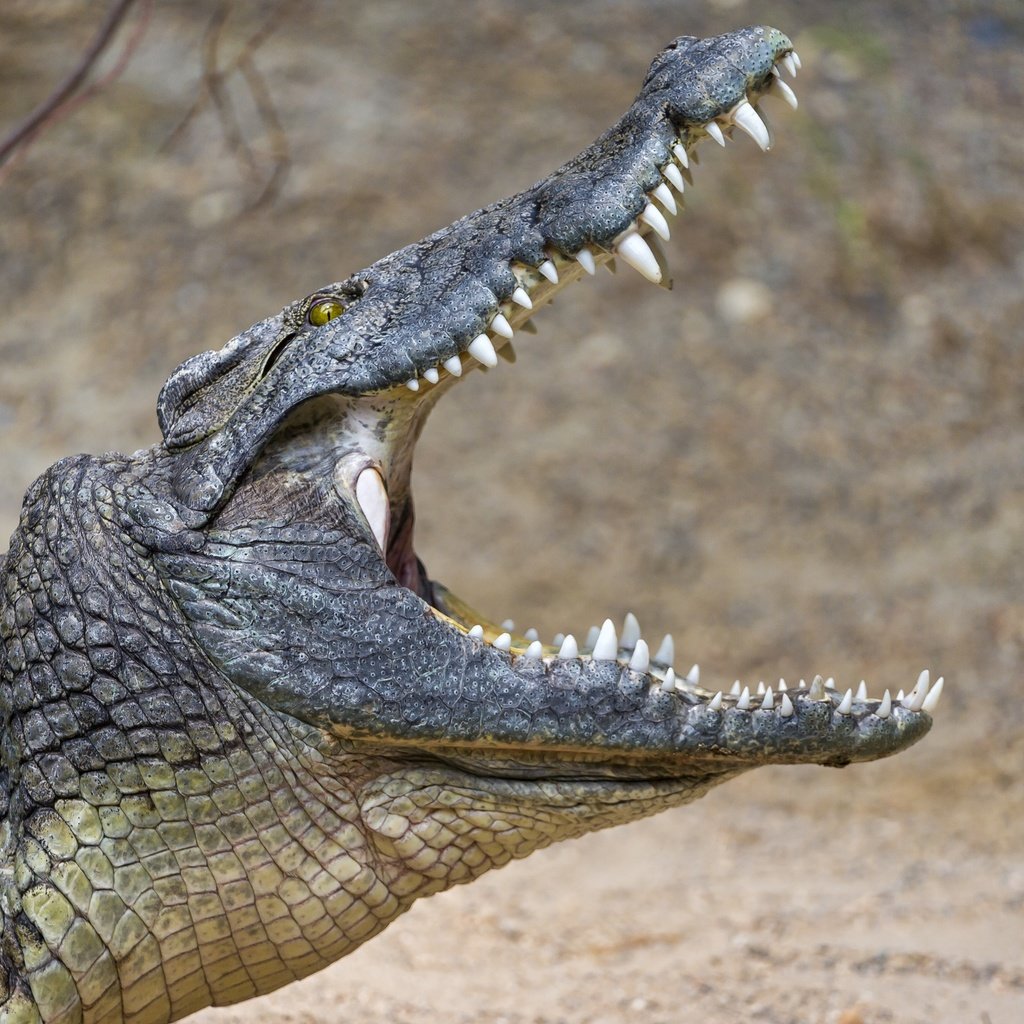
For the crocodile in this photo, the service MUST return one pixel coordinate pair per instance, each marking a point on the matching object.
(243, 729)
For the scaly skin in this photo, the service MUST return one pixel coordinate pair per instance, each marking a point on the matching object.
(242, 729)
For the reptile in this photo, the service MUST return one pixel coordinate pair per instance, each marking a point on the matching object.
(242, 729)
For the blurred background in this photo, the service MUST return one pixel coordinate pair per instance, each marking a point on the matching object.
(807, 457)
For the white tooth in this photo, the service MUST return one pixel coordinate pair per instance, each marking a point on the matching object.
(796, 60)
(782, 687)
(664, 194)
(501, 326)
(547, 268)
(776, 72)
(585, 258)
(769, 700)
(372, 496)
(481, 348)
(521, 298)
(679, 152)
(668, 684)
(916, 700)
(846, 703)
(817, 690)
(786, 706)
(508, 624)
(715, 132)
(884, 708)
(592, 634)
(672, 173)
(830, 683)
(535, 650)
(932, 699)
(653, 216)
(556, 640)
(503, 642)
(630, 631)
(477, 632)
(607, 646)
(899, 696)
(637, 253)
(789, 64)
(413, 385)
(786, 93)
(433, 375)
(745, 117)
(454, 366)
(924, 677)
(734, 690)
(862, 691)
(693, 676)
(715, 703)
(760, 688)
(666, 652)
(568, 649)
(641, 659)
(744, 702)
(531, 634)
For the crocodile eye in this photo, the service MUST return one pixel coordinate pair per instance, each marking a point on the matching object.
(324, 310)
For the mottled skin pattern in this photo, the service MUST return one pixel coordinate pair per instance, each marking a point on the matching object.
(238, 739)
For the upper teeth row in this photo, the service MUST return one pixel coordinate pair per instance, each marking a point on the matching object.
(604, 644)
(630, 245)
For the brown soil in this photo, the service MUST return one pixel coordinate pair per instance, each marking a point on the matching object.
(806, 458)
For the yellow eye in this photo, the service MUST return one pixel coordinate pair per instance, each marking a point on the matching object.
(324, 310)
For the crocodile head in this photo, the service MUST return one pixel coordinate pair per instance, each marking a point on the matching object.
(256, 730)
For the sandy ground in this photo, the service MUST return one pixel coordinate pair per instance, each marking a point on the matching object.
(806, 458)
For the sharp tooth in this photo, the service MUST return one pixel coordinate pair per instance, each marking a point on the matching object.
(915, 699)
(433, 375)
(899, 696)
(641, 659)
(789, 64)
(666, 652)
(734, 690)
(679, 152)
(884, 708)
(796, 59)
(568, 649)
(830, 683)
(744, 702)
(664, 194)
(693, 676)
(846, 703)
(585, 258)
(547, 268)
(454, 366)
(531, 635)
(760, 688)
(636, 252)
(769, 700)
(535, 650)
(745, 117)
(477, 632)
(782, 687)
(817, 690)
(630, 631)
(508, 624)
(715, 132)
(668, 684)
(503, 642)
(776, 72)
(786, 706)
(923, 679)
(862, 691)
(413, 385)
(481, 348)
(521, 298)
(672, 173)
(592, 634)
(556, 640)
(372, 496)
(501, 326)
(656, 219)
(715, 703)
(786, 93)
(930, 702)
(607, 646)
